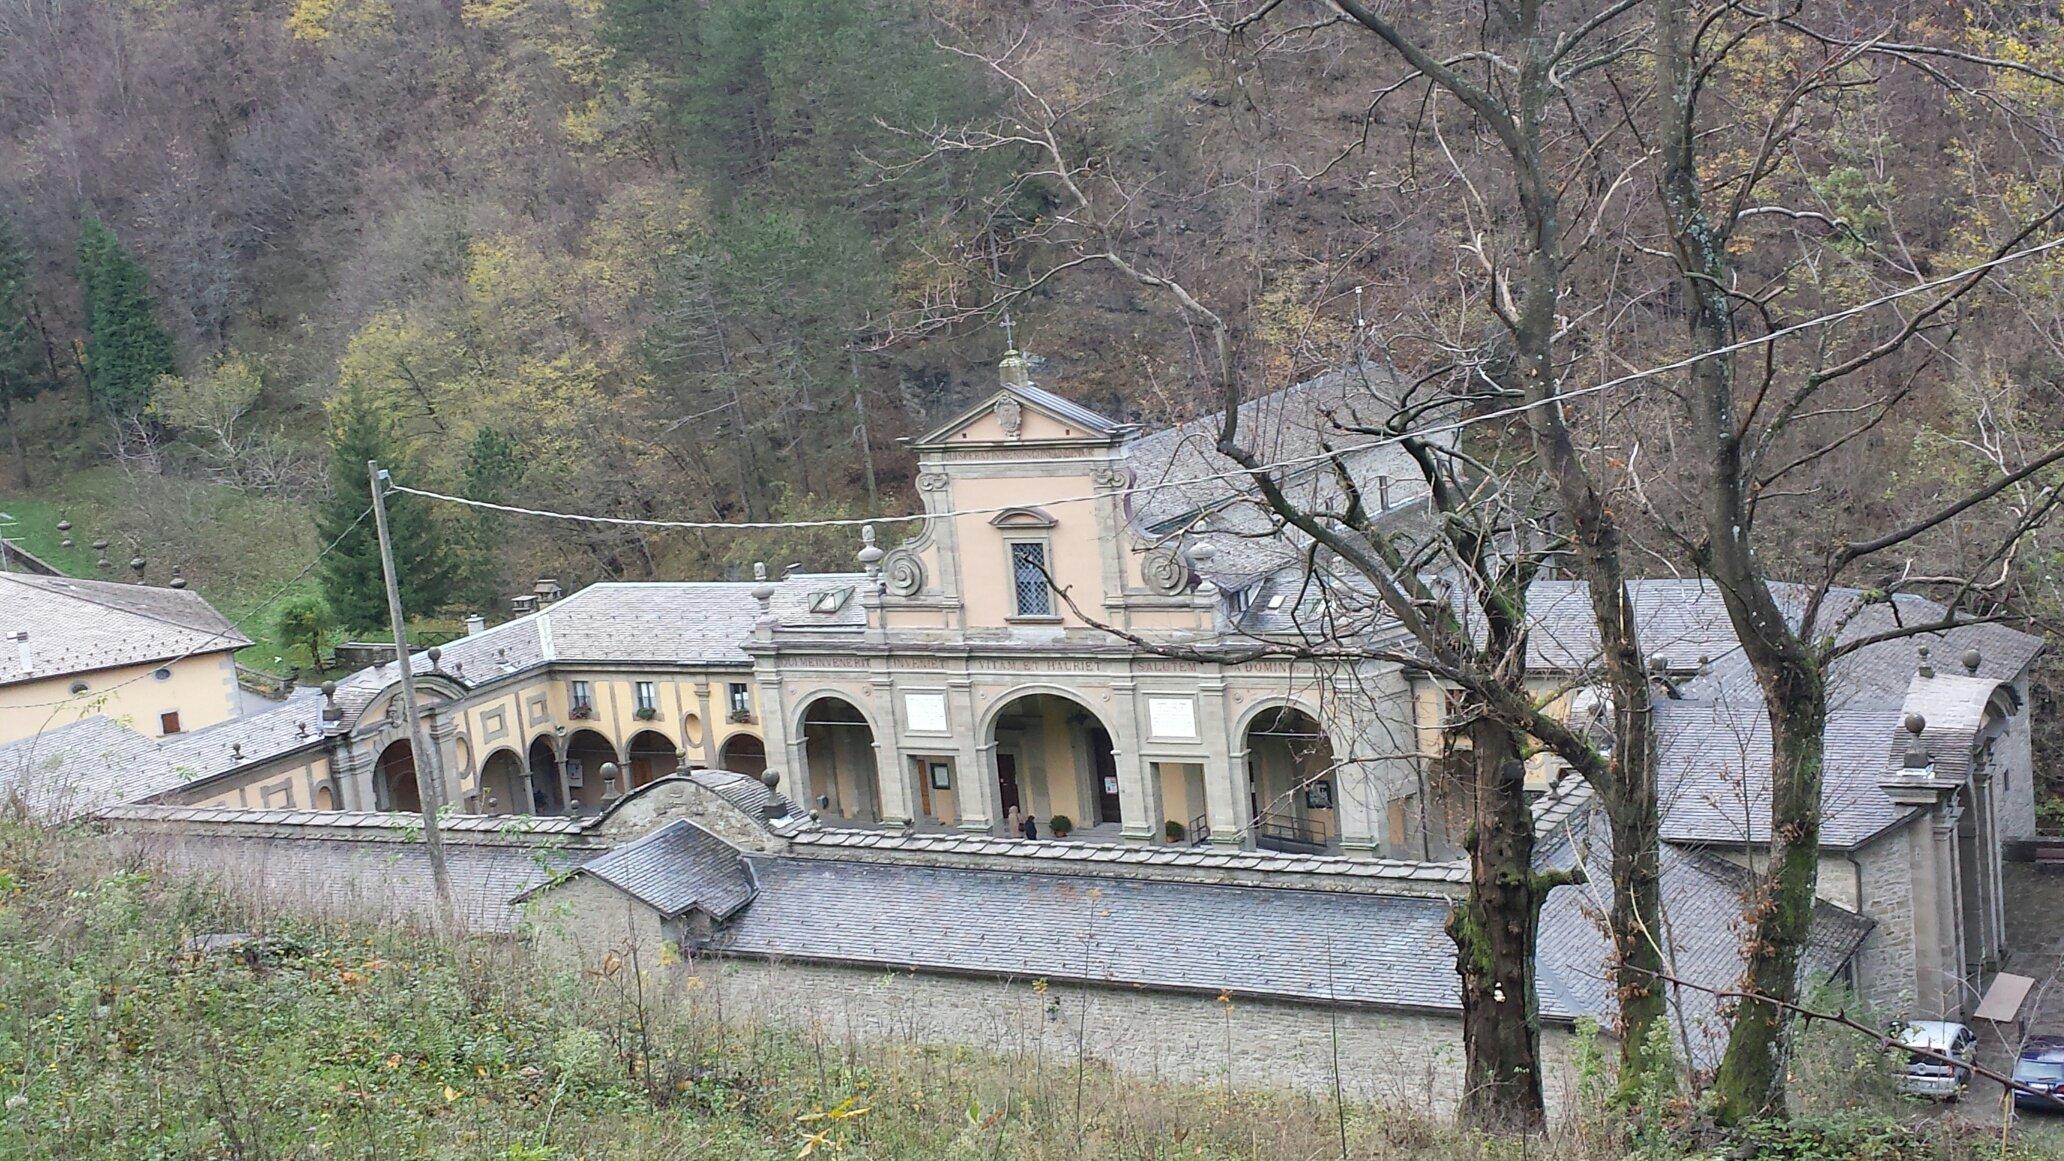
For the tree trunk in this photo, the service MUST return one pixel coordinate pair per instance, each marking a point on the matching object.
(1494, 930)
(1752, 1072)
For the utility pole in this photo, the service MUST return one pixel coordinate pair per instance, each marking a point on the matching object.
(429, 779)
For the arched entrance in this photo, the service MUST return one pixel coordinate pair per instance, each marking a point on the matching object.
(395, 787)
(838, 761)
(652, 757)
(544, 777)
(501, 784)
(743, 754)
(1291, 786)
(1054, 758)
(586, 751)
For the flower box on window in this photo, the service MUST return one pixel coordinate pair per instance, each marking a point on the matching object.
(645, 713)
(741, 716)
(581, 712)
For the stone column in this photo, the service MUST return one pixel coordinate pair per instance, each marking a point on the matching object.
(1139, 791)
(1221, 783)
(1358, 799)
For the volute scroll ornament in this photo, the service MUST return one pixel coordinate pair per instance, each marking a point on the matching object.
(1165, 571)
(933, 481)
(903, 573)
(1110, 479)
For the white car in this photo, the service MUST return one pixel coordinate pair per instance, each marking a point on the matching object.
(1928, 1076)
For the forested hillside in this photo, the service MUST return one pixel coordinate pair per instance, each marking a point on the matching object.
(711, 260)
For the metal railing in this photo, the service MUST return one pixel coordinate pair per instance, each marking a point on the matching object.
(1278, 831)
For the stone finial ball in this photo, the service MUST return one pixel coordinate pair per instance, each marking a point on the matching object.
(1972, 659)
(770, 779)
(1916, 724)
(329, 689)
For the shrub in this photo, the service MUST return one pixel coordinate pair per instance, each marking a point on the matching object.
(1061, 825)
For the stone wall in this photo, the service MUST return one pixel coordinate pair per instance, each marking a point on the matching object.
(1405, 1058)
(1885, 963)
(352, 876)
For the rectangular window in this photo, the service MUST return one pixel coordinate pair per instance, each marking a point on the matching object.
(741, 699)
(1028, 579)
(583, 698)
(648, 695)
(168, 723)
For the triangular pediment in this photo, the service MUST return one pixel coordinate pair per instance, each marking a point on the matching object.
(1028, 414)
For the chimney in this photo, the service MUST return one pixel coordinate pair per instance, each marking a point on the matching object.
(28, 658)
(547, 590)
(475, 624)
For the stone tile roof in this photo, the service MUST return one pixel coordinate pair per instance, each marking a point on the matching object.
(1703, 901)
(1135, 858)
(76, 626)
(1358, 948)
(1297, 421)
(372, 825)
(1713, 740)
(675, 868)
(86, 765)
(79, 768)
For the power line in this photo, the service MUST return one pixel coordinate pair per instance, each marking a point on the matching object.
(1287, 462)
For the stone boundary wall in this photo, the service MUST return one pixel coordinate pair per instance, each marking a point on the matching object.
(361, 873)
(1408, 1059)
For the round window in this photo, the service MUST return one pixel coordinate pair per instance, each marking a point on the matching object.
(78, 687)
(163, 675)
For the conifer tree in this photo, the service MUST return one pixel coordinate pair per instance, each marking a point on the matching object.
(126, 350)
(352, 580)
(24, 367)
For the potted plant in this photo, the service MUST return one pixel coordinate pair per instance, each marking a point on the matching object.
(646, 713)
(1061, 825)
(581, 711)
(1175, 831)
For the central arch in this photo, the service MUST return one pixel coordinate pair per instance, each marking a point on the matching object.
(396, 773)
(1291, 781)
(839, 772)
(1054, 758)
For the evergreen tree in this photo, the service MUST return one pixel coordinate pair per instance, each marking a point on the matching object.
(352, 581)
(24, 365)
(494, 466)
(126, 350)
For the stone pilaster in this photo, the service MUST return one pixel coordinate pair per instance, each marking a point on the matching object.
(1139, 791)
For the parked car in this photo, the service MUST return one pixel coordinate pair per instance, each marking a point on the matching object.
(2041, 1066)
(1928, 1075)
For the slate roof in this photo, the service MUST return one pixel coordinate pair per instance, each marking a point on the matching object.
(1703, 901)
(675, 868)
(1713, 741)
(78, 768)
(1358, 948)
(76, 626)
(1282, 942)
